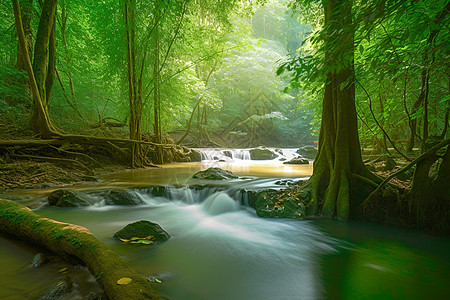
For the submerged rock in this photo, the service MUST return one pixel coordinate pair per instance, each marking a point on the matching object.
(143, 229)
(308, 152)
(214, 174)
(66, 198)
(123, 198)
(262, 153)
(37, 261)
(297, 161)
(58, 290)
(161, 277)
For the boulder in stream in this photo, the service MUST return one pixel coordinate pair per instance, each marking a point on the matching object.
(308, 152)
(279, 204)
(123, 198)
(214, 174)
(66, 198)
(297, 161)
(195, 155)
(262, 153)
(143, 229)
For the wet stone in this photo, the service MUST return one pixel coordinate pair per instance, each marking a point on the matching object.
(297, 161)
(143, 229)
(215, 174)
(308, 152)
(262, 153)
(123, 198)
(37, 261)
(66, 198)
(58, 290)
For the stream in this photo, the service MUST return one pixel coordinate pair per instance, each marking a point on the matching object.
(220, 249)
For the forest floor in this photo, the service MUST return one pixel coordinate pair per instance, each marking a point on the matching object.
(27, 172)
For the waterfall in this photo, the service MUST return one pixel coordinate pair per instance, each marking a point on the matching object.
(233, 155)
(225, 155)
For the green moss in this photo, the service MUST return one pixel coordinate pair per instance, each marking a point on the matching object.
(13, 217)
(92, 248)
(76, 242)
(99, 275)
(59, 235)
(37, 226)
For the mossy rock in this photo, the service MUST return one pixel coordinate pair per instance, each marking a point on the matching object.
(297, 161)
(214, 174)
(195, 155)
(123, 198)
(273, 204)
(142, 229)
(262, 153)
(308, 152)
(66, 198)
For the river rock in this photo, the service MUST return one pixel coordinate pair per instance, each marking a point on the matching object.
(262, 153)
(37, 261)
(195, 155)
(228, 153)
(214, 174)
(161, 277)
(58, 290)
(123, 198)
(297, 161)
(308, 152)
(142, 229)
(66, 198)
(273, 204)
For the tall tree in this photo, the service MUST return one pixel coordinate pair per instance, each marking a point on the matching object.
(41, 74)
(138, 158)
(338, 162)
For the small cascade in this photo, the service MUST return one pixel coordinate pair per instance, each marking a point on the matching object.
(220, 203)
(288, 154)
(225, 155)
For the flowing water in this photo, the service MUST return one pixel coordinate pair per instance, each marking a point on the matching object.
(219, 249)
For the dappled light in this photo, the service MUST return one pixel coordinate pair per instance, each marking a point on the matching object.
(224, 149)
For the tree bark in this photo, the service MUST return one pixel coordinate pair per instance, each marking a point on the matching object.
(339, 154)
(138, 158)
(77, 245)
(41, 120)
(28, 33)
(156, 90)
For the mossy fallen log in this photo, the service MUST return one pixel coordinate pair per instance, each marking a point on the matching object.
(77, 245)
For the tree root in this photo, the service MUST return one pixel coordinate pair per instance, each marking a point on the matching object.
(420, 158)
(75, 244)
(72, 161)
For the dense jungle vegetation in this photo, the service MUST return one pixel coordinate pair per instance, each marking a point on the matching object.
(132, 81)
(94, 86)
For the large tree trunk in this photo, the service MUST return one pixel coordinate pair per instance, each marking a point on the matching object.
(37, 75)
(28, 33)
(77, 245)
(333, 182)
(138, 158)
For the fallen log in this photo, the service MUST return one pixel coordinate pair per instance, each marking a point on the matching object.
(77, 245)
